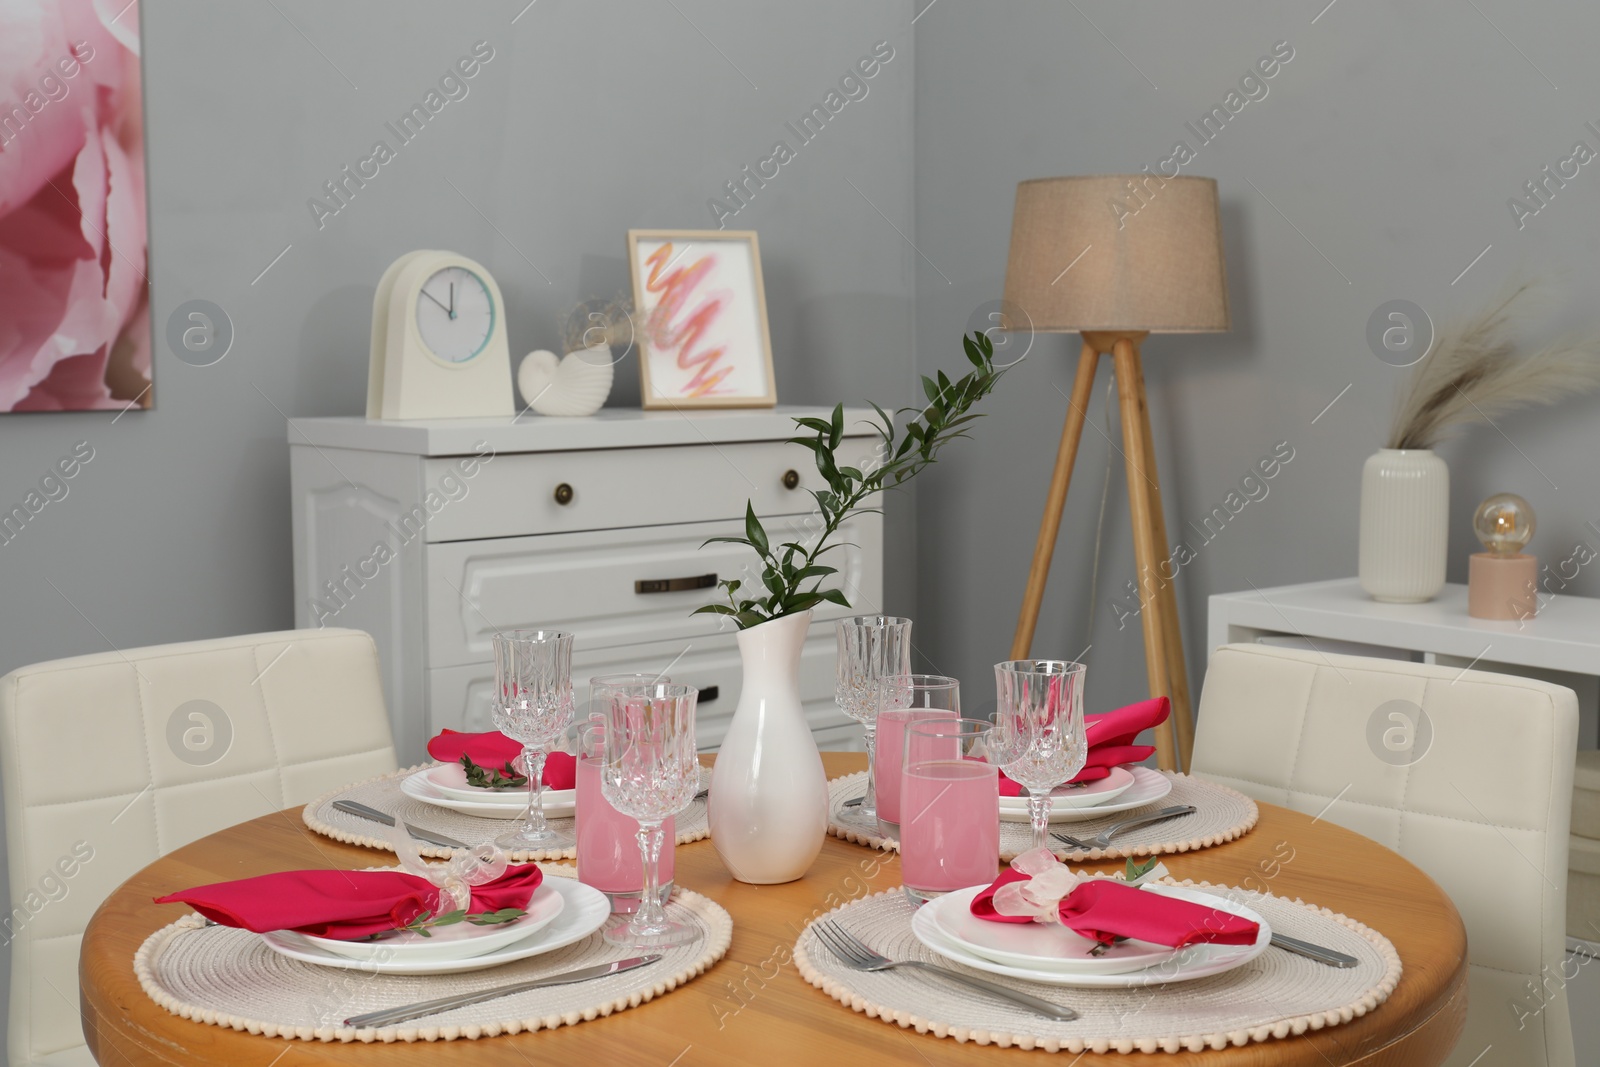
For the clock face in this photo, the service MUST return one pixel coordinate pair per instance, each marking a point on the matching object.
(455, 314)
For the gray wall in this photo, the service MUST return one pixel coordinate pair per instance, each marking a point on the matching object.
(1391, 141)
(590, 119)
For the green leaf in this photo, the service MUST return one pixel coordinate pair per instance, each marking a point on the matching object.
(930, 387)
(851, 473)
(745, 541)
(974, 353)
(714, 609)
(834, 596)
(747, 619)
(814, 424)
(816, 570)
(754, 534)
(1136, 869)
(836, 431)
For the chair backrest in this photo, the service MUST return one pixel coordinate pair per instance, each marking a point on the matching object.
(1466, 774)
(109, 761)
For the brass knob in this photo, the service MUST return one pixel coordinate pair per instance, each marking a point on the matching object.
(563, 494)
(791, 478)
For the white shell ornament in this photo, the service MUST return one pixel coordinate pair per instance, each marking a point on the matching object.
(575, 386)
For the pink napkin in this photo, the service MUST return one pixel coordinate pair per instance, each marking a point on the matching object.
(1104, 909)
(343, 905)
(1111, 739)
(494, 750)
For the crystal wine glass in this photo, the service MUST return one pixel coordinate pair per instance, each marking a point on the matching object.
(650, 769)
(533, 704)
(870, 648)
(1039, 731)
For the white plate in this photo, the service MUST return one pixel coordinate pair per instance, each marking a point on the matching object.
(450, 781)
(585, 910)
(1095, 794)
(416, 787)
(1035, 945)
(458, 942)
(1148, 787)
(1196, 961)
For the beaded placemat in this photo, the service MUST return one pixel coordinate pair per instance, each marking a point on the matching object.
(1274, 995)
(227, 977)
(1223, 814)
(383, 793)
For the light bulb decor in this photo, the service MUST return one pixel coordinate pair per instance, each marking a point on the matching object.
(1502, 582)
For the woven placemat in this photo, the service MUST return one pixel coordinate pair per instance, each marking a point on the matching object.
(227, 977)
(1274, 995)
(1224, 814)
(383, 793)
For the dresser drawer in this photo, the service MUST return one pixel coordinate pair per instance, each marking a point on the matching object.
(458, 697)
(517, 494)
(589, 584)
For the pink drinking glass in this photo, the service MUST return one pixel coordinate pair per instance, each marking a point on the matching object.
(608, 845)
(949, 808)
(902, 699)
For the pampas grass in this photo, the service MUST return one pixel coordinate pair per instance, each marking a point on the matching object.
(1473, 374)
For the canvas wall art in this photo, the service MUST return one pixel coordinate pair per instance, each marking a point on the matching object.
(74, 295)
(701, 319)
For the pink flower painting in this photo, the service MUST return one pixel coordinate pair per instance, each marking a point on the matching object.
(74, 296)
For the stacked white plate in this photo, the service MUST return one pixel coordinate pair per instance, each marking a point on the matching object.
(560, 912)
(445, 786)
(1054, 954)
(1124, 789)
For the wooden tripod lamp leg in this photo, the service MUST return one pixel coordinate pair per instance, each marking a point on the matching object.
(1050, 525)
(1149, 553)
(1177, 668)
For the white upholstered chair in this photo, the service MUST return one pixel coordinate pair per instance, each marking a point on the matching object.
(111, 760)
(1484, 810)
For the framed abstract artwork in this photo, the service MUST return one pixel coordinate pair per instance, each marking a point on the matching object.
(74, 291)
(701, 319)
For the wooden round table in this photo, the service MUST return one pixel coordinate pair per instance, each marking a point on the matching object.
(753, 1008)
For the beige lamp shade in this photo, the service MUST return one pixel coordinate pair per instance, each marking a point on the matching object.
(1118, 252)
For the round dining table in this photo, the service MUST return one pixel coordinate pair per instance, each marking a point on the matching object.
(752, 1009)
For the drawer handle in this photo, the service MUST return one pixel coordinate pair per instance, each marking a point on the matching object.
(791, 479)
(563, 494)
(674, 585)
(707, 695)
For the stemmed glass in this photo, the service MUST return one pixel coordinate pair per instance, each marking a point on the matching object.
(870, 648)
(1038, 735)
(650, 769)
(533, 704)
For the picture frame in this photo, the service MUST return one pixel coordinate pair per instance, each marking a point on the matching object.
(701, 290)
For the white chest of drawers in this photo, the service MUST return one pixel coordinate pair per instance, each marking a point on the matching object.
(432, 535)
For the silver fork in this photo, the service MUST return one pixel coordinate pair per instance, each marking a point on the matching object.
(852, 953)
(1103, 840)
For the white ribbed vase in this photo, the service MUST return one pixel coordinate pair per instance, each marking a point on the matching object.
(769, 793)
(1405, 525)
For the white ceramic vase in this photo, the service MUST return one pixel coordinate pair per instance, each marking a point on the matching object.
(769, 793)
(1405, 525)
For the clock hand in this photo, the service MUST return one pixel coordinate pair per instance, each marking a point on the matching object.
(435, 299)
(452, 308)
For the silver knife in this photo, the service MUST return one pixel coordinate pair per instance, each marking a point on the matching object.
(461, 1000)
(351, 807)
(1313, 952)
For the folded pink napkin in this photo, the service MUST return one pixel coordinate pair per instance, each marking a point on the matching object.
(1111, 737)
(343, 905)
(1104, 909)
(493, 749)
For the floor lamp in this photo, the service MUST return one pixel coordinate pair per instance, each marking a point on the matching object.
(1117, 258)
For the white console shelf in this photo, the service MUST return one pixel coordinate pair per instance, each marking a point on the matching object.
(433, 535)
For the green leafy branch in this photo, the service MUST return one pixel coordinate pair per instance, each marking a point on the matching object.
(426, 922)
(489, 778)
(788, 567)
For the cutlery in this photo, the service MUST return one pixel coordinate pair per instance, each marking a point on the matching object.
(1104, 839)
(351, 807)
(857, 956)
(461, 1000)
(1313, 952)
(854, 802)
